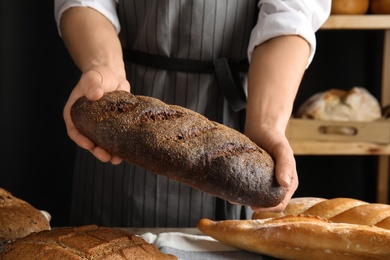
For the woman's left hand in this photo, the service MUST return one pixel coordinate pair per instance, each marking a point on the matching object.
(276, 144)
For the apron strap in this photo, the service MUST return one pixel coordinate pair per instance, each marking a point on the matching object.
(229, 81)
(227, 74)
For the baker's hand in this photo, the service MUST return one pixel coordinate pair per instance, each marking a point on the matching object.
(276, 144)
(93, 84)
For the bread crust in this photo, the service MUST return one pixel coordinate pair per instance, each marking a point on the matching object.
(301, 237)
(339, 210)
(182, 145)
(19, 218)
(83, 243)
(356, 104)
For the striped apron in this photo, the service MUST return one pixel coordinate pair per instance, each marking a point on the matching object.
(190, 53)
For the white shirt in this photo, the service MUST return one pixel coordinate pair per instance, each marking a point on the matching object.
(276, 18)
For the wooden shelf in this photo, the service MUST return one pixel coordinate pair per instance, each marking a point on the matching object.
(357, 22)
(308, 136)
(338, 148)
(342, 147)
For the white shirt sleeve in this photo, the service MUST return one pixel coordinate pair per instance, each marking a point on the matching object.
(106, 7)
(293, 17)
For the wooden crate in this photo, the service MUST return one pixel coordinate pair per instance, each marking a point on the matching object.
(319, 130)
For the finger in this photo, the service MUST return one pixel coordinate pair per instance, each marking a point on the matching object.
(101, 154)
(90, 85)
(285, 168)
(80, 139)
(116, 160)
(279, 208)
(125, 85)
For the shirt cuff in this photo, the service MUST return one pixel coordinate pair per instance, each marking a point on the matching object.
(106, 8)
(287, 22)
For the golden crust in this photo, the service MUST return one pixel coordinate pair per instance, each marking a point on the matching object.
(301, 237)
(340, 210)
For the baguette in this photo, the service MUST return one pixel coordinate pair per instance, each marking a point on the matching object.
(301, 237)
(182, 145)
(339, 210)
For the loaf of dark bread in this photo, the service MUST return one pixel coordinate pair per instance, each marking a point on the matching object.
(180, 144)
(82, 243)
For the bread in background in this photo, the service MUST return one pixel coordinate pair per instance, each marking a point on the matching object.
(350, 6)
(380, 6)
(356, 104)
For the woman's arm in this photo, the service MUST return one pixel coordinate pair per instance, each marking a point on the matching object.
(92, 41)
(281, 47)
(275, 74)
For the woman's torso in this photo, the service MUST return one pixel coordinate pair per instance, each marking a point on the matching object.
(208, 30)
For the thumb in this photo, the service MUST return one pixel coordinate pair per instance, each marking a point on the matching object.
(91, 85)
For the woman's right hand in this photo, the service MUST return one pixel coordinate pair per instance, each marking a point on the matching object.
(93, 43)
(93, 83)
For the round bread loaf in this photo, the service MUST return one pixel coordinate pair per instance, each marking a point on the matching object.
(356, 104)
(182, 145)
(81, 243)
(18, 218)
(350, 6)
(380, 6)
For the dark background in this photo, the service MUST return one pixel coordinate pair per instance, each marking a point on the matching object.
(37, 75)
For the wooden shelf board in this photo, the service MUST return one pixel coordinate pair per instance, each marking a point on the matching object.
(338, 148)
(357, 22)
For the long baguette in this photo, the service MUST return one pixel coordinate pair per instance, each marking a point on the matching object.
(301, 237)
(182, 145)
(340, 210)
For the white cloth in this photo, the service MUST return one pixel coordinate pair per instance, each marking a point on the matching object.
(276, 18)
(197, 247)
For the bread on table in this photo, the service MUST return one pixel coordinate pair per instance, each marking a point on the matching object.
(82, 243)
(295, 206)
(340, 210)
(182, 145)
(18, 218)
(356, 104)
(301, 237)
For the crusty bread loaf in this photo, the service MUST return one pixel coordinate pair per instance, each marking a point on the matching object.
(294, 207)
(81, 243)
(180, 144)
(339, 210)
(301, 237)
(19, 218)
(356, 104)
